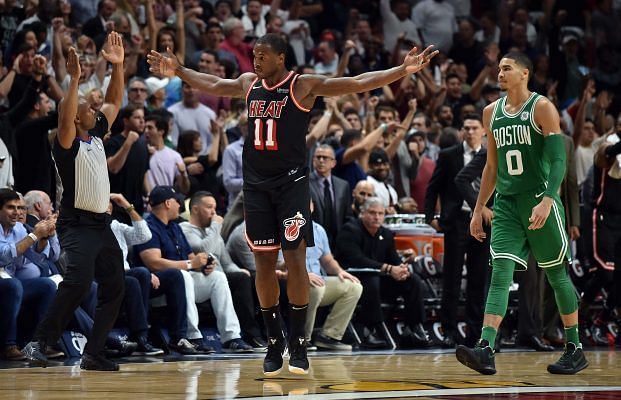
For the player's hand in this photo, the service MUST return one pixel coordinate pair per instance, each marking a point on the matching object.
(163, 64)
(540, 213)
(315, 280)
(487, 215)
(476, 226)
(73, 64)
(344, 275)
(416, 61)
(113, 50)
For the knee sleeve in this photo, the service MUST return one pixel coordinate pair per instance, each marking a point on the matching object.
(498, 294)
(564, 290)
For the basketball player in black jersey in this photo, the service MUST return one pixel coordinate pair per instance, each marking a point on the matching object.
(275, 169)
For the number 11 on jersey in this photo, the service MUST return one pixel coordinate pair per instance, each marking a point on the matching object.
(270, 141)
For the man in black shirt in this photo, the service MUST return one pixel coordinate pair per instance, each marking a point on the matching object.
(365, 243)
(84, 230)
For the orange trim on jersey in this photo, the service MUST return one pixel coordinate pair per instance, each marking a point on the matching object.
(298, 105)
(250, 88)
(279, 84)
(255, 247)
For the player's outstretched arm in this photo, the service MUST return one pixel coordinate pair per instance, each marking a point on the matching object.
(319, 85)
(488, 179)
(68, 107)
(168, 65)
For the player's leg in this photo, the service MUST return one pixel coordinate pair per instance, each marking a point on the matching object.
(550, 246)
(508, 249)
(296, 232)
(262, 237)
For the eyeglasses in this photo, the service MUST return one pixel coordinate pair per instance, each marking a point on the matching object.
(321, 158)
(136, 89)
(365, 194)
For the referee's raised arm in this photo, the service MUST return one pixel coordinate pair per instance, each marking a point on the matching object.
(68, 107)
(114, 53)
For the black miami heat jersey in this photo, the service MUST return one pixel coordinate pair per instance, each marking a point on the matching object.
(275, 148)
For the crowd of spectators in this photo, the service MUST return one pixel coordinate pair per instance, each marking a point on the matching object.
(173, 148)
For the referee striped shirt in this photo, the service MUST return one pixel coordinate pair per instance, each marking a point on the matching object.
(83, 170)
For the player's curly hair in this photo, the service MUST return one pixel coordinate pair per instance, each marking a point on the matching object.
(275, 41)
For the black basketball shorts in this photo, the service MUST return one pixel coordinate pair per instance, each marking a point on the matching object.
(278, 217)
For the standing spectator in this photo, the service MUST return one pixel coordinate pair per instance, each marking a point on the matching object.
(97, 26)
(137, 92)
(166, 167)
(190, 115)
(396, 21)
(232, 164)
(436, 20)
(379, 169)
(328, 58)
(454, 222)
(422, 168)
(209, 63)
(330, 194)
(128, 160)
(234, 33)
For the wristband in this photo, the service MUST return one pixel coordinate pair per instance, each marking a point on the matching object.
(33, 237)
(130, 208)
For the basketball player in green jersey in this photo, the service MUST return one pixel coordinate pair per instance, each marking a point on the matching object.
(526, 165)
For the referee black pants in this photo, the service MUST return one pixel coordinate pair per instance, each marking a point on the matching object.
(91, 252)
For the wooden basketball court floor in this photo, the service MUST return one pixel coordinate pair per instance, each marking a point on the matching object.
(432, 374)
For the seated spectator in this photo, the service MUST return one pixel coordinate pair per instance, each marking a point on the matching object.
(232, 166)
(330, 285)
(203, 235)
(238, 248)
(139, 281)
(168, 248)
(17, 247)
(364, 243)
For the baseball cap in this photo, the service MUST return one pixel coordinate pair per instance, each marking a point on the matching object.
(568, 37)
(378, 156)
(160, 194)
(154, 84)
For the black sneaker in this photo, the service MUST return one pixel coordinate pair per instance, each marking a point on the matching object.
(183, 346)
(258, 344)
(97, 363)
(298, 360)
(326, 342)
(272, 364)
(201, 347)
(480, 358)
(35, 354)
(145, 348)
(236, 346)
(572, 361)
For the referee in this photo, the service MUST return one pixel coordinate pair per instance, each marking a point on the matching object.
(83, 225)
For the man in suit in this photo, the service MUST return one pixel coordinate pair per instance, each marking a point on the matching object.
(454, 223)
(330, 194)
(96, 27)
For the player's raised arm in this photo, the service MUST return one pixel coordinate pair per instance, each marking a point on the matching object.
(168, 65)
(319, 85)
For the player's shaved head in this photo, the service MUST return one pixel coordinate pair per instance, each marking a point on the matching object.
(275, 41)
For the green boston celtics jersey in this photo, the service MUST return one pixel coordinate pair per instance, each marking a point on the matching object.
(522, 166)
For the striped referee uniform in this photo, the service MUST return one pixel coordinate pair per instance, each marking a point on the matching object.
(91, 250)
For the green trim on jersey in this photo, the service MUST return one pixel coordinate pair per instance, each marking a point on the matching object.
(522, 165)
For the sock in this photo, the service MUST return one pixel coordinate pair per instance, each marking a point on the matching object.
(571, 333)
(297, 319)
(271, 317)
(489, 334)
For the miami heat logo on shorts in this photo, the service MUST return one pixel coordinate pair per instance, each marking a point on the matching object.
(293, 225)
